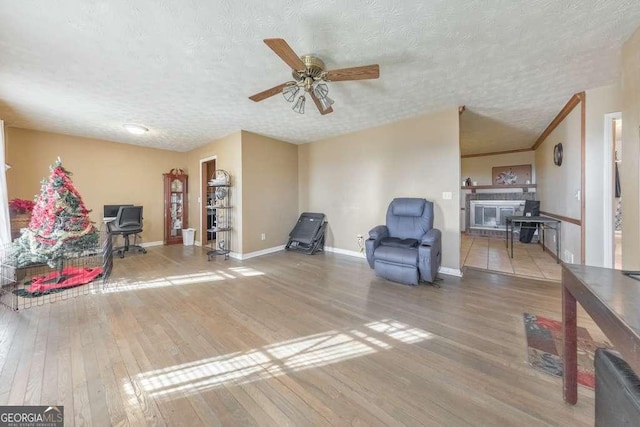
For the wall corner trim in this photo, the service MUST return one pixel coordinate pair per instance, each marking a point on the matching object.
(569, 106)
(495, 153)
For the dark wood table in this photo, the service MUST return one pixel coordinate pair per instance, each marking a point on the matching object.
(613, 302)
(539, 221)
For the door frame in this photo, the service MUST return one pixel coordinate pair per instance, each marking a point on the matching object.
(200, 197)
(609, 182)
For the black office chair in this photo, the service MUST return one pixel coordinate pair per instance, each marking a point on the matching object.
(528, 229)
(127, 222)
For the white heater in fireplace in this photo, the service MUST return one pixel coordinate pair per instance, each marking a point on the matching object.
(492, 214)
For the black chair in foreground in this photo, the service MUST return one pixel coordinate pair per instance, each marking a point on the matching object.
(127, 222)
(617, 391)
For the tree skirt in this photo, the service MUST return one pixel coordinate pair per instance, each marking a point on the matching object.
(545, 346)
(54, 282)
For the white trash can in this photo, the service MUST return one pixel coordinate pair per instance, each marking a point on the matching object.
(188, 236)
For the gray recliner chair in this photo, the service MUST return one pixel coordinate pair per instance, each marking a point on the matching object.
(408, 249)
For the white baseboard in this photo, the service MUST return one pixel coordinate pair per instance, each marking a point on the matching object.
(442, 270)
(450, 271)
(149, 244)
(236, 255)
(345, 252)
(241, 257)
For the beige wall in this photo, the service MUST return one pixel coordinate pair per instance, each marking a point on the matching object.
(480, 168)
(599, 101)
(228, 153)
(270, 191)
(103, 172)
(352, 178)
(110, 173)
(558, 185)
(630, 173)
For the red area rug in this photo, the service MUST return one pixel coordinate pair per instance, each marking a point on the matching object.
(544, 348)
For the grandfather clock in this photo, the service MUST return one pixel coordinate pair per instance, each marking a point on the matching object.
(175, 205)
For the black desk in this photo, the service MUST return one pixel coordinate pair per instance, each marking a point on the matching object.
(543, 222)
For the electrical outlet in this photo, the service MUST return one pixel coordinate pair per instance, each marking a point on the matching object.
(447, 195)
(263, 236)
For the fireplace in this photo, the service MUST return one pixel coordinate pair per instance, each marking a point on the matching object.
(492, 214)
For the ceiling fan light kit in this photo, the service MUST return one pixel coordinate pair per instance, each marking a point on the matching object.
(326, 102)
(309, 73)
(298, 107)
(290, 92)
(321, 90)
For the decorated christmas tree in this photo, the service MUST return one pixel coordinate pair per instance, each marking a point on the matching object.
(60, 226)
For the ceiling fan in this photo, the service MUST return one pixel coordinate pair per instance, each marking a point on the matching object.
(310, 75)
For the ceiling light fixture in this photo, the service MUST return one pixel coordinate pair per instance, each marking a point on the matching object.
(326, 103)
(299, 105)
(321, 90)
(309, 74)
(318, 92)
(290, 92)
(135, 129)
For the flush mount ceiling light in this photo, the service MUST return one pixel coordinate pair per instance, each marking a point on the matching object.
(135, 129)
(309, 74)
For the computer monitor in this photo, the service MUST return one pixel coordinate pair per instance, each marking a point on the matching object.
(111, 211)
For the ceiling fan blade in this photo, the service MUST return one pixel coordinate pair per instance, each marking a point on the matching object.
(284, 51)
(319, 105)
(355, 73)
(269, 92)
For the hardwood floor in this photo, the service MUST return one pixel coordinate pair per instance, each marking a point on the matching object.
(285, 339)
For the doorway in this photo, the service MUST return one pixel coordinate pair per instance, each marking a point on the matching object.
(207, 170)
(613, 192)
(617, 200)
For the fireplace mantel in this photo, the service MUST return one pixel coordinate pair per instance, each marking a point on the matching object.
(473, 188)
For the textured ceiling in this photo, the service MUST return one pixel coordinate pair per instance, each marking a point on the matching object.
(185, 68)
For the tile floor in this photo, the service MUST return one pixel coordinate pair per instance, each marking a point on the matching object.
(528, 260)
